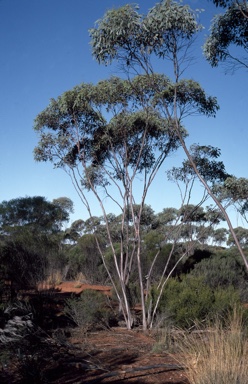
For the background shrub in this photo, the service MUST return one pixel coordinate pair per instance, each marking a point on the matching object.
(223, 269)
(225, 299)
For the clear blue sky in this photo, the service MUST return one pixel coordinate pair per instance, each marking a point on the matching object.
(44, 51)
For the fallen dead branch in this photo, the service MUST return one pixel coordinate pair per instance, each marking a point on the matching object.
(123, 373)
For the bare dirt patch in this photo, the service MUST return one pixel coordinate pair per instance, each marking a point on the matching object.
(126, 356)
(114, 356)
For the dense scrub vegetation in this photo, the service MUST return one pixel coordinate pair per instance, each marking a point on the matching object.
(208, 282)
(200, 278)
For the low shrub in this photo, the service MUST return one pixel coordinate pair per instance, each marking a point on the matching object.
(88, 311)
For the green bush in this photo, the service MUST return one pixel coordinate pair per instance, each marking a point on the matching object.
(186, 300)
(225, 299)
(191, 300)
(89, 310)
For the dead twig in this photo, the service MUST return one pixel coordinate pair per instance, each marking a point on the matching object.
(123, 373)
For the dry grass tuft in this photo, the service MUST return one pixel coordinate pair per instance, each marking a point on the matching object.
(80, 279)
(217, 355)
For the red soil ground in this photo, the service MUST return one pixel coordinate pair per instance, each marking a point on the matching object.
(74, 287)
(116, 355)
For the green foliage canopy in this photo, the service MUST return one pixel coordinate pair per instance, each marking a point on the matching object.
(123, 34)
(73, 128)
(234, 191)
(205, 157)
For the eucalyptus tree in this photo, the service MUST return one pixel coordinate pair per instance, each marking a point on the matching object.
(105, 138)
(111, 136)
(197, 224)
(75, 231)
(228, 32)
(65, 204)
(166, 32)
(219, 236)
